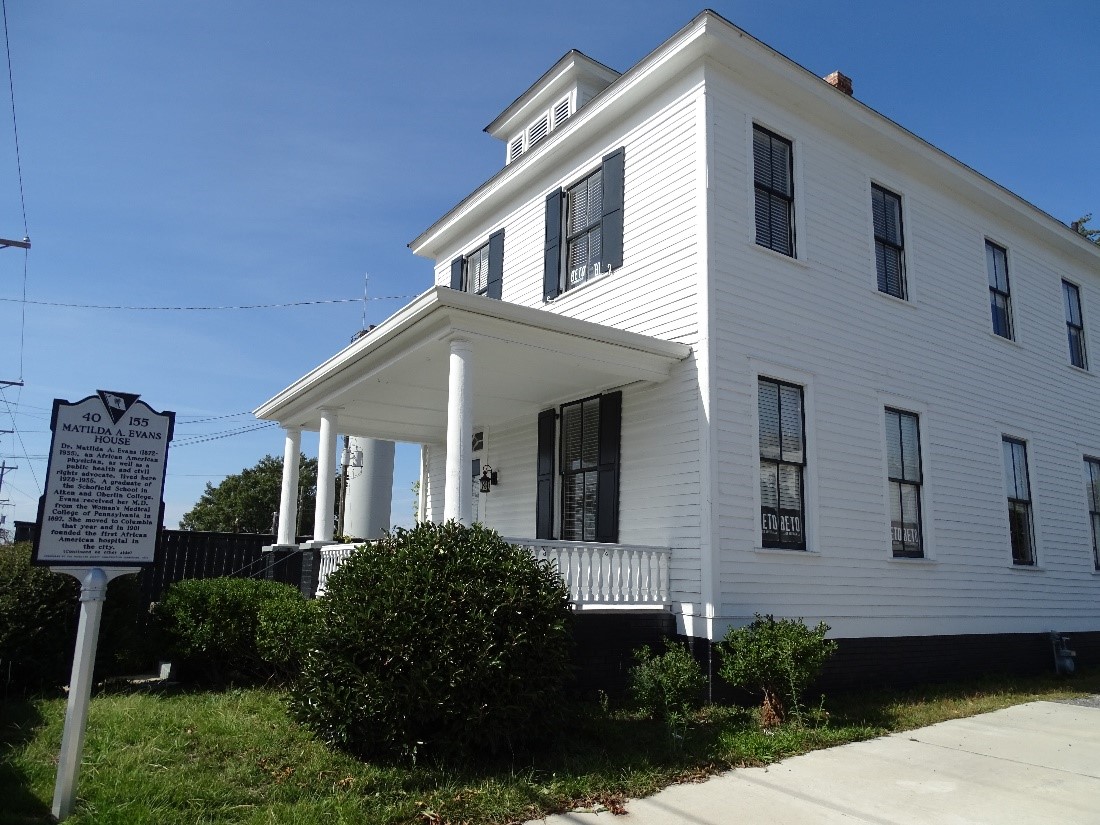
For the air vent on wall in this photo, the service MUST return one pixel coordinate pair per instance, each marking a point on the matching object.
(561, 112)
(539, 130)
(515, 148)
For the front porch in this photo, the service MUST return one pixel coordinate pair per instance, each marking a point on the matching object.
(596, 575)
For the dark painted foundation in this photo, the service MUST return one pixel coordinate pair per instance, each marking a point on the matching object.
(605, 645)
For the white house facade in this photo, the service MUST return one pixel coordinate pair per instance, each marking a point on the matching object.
(722, 340)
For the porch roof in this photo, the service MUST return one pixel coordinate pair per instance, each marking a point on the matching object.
(392, 382)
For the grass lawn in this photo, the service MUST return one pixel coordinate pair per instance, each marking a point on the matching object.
(164, 757)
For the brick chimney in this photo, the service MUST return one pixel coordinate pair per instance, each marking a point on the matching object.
(841, 82)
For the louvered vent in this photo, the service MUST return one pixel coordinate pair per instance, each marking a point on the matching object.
(539, 130)
(561, 113)
(515, 148)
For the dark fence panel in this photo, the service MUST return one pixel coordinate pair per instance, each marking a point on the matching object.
(191, 554)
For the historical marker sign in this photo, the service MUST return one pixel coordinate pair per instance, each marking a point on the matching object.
(104, 482)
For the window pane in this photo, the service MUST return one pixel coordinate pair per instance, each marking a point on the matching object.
(769, 486)
(763, 218)
(769, 419)
(1072, 302)
(997, 264)
(1002, 320)
(1076, 346)
(572, 504)
(910, 441)
(910, 517)
(595, 198)
(1096, 540)
(590, 444)
(762, 157)
(895, 466)
(790, 407)
(1019, 520)
(780, 214)
(1092, 483)
(888, 261)
(590, 480)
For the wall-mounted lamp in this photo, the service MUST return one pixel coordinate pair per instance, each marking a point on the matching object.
(488, 478)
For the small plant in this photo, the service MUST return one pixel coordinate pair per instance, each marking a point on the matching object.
(668, 687)
(438, 641)
(779, 657)
(211, 625)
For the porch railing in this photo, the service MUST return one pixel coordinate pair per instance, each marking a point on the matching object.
(331, 557)
(594, 574)
(610, 574)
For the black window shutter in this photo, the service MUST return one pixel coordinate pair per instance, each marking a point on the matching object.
(611, 229)
(551, 273)
(607, 490)
(544, 507)
(457, 266)
(496, 264)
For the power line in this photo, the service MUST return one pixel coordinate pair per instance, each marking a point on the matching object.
(14, 125)
(187, 442)
(203, 308)
(19, 435)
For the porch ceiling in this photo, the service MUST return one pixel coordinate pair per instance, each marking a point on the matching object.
(392, 382)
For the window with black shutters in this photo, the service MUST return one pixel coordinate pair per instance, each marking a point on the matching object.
(580, 428)
(782, 461)
(773, 176)
(903, 469)
(1021, 528)
(589, 446)
(1000, 302)
(1075, 325)
(584, 228)
(482, 271)
(889, 260)
(1092, 492)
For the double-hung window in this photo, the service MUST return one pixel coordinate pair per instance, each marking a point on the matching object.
(1075, 325)
(1000, 300)
(1020, 522)
(773, 182)
(587, 433)
(904, 472)
(584, 214)
(782, 463)
(1092, 492)
(889, 260)
(482, 271)
(584, 228)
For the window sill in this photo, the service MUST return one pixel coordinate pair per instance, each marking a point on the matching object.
(1010, 341)
(925, 561)
(1081, 370)
(894, 299)
(802, 262)
(779, 551)
(1030, 568)
(580, 287)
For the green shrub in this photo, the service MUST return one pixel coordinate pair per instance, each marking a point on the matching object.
(38, 616)
(668, 687)
(778, 658)
(210, 626)
(440, 641)
(284, 633)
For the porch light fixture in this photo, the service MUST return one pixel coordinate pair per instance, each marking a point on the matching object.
(488, 478)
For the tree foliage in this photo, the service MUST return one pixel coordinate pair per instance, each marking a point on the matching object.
(245, 502)
(1083, 228)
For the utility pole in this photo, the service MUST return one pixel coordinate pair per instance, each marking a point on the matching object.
(4, 467)
(23, 244)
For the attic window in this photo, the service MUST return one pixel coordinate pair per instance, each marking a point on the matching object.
(538, 131)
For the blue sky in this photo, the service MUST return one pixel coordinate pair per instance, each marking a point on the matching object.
(202, 153)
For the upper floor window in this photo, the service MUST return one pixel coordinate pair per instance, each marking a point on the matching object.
(773, 180)
(584, 228)
(482, 271)
(1000, 301)
(584, 214)
(903, 463)
(1075, 325)
(782, 461)
(1092, 491)
(889, 260)
(1020, 525)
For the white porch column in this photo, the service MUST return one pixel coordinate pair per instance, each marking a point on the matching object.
(460, 429)
(288, 502)
(326, 472)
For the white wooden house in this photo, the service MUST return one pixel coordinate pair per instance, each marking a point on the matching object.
(733, 342)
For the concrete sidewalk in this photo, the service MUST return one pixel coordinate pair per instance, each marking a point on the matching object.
(1034, 763)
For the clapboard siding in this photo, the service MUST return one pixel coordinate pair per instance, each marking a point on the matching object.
(822, 316)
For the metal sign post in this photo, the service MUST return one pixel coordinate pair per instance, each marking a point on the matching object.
(98, 519)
